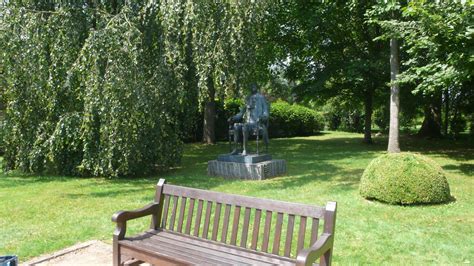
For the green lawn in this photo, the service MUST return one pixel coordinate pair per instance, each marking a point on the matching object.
(43, 214)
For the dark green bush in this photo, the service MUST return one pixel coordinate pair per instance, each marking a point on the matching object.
(404, 178)
(341, 116)
(382, 118)
(288, 120)
(458, 125)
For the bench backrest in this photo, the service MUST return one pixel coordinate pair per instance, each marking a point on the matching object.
(269, 226)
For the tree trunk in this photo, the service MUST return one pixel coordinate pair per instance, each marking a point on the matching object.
(368, 102)
(209, 134)
(394, 131)
(446, 112)
(431, 126)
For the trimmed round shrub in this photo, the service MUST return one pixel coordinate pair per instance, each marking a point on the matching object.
(404, 178)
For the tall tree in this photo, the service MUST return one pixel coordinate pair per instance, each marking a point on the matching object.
(437, 40)
(394, 128)
(329, 55)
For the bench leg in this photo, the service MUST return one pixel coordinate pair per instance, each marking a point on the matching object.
(326, 258)
(117, 260)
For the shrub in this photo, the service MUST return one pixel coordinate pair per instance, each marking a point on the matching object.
(404, 178)
(458, 125)
(382, 118)
(338, 115)
(288, 120)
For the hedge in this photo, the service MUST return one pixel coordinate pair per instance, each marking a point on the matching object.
(286, 120)
(289, 120)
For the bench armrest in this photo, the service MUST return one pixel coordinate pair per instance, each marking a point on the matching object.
(310, 255)
(121, 217)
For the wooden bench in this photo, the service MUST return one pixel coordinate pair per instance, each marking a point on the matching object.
(193, 226)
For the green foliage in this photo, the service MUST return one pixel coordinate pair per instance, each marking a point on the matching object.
(342, 115)
(404, 178)
(2, 135)
(382, 118)
(458, 125)
(89, 94)
(289, 120)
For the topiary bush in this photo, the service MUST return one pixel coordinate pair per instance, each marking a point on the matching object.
(288, 120)
(404, 178)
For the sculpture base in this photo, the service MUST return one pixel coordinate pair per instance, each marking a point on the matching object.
(251, 171)
(239, 158)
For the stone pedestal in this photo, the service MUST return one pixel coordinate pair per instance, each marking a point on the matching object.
(252, 171)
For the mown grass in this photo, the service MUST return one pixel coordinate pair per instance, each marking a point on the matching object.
(40, 214)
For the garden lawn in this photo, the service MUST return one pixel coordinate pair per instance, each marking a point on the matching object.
(41, 214)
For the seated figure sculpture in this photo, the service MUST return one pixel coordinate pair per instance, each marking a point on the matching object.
(252, 117)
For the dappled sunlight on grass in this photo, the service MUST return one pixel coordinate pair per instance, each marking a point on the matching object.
(41, 214)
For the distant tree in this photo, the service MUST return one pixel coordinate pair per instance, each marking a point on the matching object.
(328, 54)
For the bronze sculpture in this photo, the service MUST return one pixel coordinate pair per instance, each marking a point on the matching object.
(253, 117)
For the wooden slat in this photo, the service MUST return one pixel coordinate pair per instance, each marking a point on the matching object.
(235, 225)
(225, 226)
(276, 239)
(314, 230)
(217, 216)
(209, 246)
(245, 228)
(301, 234)
(251, 202)
(207, 220)
(266, 231)
(164, 219)
(197, 222)
(289, 235)
(181, 214)
(173, 213)
(256, 228)
(190, 217)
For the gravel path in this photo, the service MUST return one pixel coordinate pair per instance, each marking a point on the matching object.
(89, 253)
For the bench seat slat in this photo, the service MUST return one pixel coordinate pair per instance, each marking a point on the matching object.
(205, 248)
(161, 247)
(244, 201)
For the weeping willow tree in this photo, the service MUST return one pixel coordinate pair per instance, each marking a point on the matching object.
(225, 44)
(109, 88)
(89, 90)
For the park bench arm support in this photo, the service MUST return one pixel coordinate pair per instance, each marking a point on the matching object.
(320, 247)
(121, 217)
